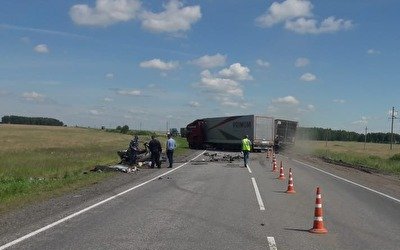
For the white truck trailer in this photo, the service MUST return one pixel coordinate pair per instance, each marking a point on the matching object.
(228, 132)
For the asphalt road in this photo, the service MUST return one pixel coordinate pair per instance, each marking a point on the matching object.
(215, 205)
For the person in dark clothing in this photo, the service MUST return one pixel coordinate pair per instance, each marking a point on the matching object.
(155, 150)
(276, 144)
(133, 150)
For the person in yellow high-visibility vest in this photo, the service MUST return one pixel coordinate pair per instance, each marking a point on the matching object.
(246, 147)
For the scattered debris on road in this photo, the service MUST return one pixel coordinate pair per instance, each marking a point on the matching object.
(218, 157)
(118, 168)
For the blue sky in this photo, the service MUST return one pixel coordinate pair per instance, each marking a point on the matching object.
(153, 64)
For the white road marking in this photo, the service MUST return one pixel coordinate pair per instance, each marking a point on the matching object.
(348, 181)
(260, 201)
(271, 243)
(14, 242)
(249, 169)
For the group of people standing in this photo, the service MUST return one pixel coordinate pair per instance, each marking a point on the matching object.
(156, 149)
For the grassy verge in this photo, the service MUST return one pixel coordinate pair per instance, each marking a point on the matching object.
(373, 156)
(182, 146)
(38, 162)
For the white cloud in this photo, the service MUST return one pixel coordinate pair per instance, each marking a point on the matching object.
(280, 12)
(373, 52)
(341, 101)
(226, 92)
(42, 49)
(262, 63)
(287, 100)
(236, 72)
(33, 96)
(110, 76)
(194, 104)
(174, 19)
(308, 77)
(363, 121)
(158, 64)
(228, 102)
(208, 62)
(297, 16)
(301, 62)
(105, 12)
(311, 107)
(311, 26)
(129, 92)
(219, 85)
(108, 99)
(94, 112)
(224, 87)
(307, 109)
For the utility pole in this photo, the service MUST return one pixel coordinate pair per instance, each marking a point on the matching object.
(326, 138)
(365, 137)
(391, 130)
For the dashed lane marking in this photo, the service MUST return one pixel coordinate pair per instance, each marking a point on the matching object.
(260, 201)
(249, 169)
(271, 243)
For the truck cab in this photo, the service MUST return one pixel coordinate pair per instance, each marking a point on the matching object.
(195, 134)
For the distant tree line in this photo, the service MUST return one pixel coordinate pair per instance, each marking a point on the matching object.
(125, 130)
(322, 134)
(13, 119)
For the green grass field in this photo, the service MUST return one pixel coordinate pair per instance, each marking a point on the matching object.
(37, 162)
(374, 156)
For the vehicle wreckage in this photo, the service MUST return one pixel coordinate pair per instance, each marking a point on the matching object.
(130, 162)
(142, 159)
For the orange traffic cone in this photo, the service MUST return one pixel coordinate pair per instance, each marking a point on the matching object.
(318, 226)
(290, 188)
(281, 174)
(274, 165)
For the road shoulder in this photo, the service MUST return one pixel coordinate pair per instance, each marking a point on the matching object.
(388, 184)
(30, 217)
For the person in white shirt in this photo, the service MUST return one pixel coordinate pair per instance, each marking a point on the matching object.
(171, 145)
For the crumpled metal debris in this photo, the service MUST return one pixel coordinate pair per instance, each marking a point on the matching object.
(222, 157)
(118, 167)
(124, 169)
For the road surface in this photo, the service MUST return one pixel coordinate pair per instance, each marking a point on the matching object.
(221, 205)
